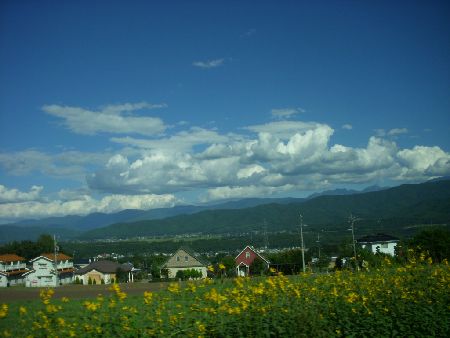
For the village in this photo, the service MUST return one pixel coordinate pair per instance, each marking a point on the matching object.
(59, 269)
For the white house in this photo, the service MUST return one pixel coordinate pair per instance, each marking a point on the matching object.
(379, 243)
(184, 259)
(43, 272)
(12, 270)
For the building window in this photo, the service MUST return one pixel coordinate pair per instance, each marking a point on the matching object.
(247, 254)
(384, 245)
(178, 258)
(186, 258)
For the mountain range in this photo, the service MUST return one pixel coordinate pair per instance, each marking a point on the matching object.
(399, 206)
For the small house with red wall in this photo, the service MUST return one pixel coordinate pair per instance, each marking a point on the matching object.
(246, 258)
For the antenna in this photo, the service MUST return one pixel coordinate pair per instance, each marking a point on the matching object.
(303, 244)
(266, 238)
(55, 249)
(352, 219)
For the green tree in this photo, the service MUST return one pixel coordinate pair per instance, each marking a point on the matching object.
(436, 241)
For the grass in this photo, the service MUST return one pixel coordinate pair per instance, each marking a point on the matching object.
(412, 299)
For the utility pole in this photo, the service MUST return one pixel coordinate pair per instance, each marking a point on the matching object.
(352, 220)
(266, 238)
(303, 244)
(318, 242)
(55, 248)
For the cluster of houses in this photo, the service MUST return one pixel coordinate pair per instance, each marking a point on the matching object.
(50, 270)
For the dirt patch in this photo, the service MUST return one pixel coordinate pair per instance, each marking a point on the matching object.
(72, 291)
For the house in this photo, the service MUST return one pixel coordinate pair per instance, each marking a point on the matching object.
(12, 269)
(102, 272)
(379, 243)
(246, 258)
(43, 272)
(184, 259)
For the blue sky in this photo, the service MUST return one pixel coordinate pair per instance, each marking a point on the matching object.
(108, 105)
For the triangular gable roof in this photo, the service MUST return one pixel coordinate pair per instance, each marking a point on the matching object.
(196, 261)
(43, 257)
(103, 266)
(256, 252)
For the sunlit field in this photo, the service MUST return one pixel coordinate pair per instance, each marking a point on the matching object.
(412, 299)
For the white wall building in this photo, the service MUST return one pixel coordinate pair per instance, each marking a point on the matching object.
(12, 270)
(379, 243)
(43, 273)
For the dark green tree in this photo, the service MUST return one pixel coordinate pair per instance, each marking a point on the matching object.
(435, 241)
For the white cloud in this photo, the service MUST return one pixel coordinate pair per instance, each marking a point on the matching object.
(273, 157)
(392, 132)
(110, 119)
(347, 127)
(15, 195)
(68, 164)
(182, 141)
(397, 131)
(422, 162)
(285, 113)
(84, 205)
(209, 63)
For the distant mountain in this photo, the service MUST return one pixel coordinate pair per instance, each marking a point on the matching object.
(340, 192)
(99, 220)
(399, 206)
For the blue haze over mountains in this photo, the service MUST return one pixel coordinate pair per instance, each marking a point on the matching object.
(411, 200)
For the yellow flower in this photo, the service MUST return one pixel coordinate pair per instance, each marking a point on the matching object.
(200, 327)
(351, 297)
(148, 296)
(64, 299)
(211, 268)
(221, 266)
(22, 310)
(4, 311)
(174, 288)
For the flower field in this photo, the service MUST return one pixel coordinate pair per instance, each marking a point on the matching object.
(408, 300)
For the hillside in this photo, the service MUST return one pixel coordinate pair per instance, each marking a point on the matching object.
(396, 207)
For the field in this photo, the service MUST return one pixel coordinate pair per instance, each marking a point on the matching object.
(75, 291)
(411, 299)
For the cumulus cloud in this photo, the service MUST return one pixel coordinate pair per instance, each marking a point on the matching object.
(114, 119)
(84, 205)
(285, 113)
(271, 158)
(209, 63)
(15, 195)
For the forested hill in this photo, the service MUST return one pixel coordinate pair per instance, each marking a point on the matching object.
(401, 206)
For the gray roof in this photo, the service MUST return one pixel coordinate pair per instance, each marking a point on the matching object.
(104, 267)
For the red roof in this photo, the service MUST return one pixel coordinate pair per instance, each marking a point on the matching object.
(17, 272)
(59, 256)
(248, 255)
(10, 258)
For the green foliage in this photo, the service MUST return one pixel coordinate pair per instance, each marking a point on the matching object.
(29, 249)
(121, 275)
(435, 241)
(400, 206)
(410, 300)
(258, 267)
